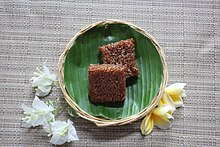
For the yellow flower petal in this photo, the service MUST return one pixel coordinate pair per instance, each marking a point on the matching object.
(169, 116)
(177, 100)
(171, 99)
(166, 99)
(161, 103)
(178, 104)
(176, 97)
(147, 125)
(162, 110)
(175, 89)
(176, 92)
(162, 122)
(184, 93)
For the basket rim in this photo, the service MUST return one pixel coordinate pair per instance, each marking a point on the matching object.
(100, 121)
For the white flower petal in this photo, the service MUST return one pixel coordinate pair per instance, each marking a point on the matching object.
(26, 124)
(47, 128)
(53, 77)
(169, 116)
(43, 80)
(45, 89)
(162, 122)
(72, 133)
(39, 105)
(175, 89)
(58, 140)
(178, 104)
(162, 110)
(184, 93)
(40, 114)
(62, 132)
(166, 99)
(48, 116)
(176, 92)
(58, 125)
(27, 109)
(147, 125)
(69, 122)
(46, 69)
(72, 136)
(38, 72)
(33, 79)
(38, 121)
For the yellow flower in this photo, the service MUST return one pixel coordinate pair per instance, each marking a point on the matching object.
(176, 92)
(166, 100)
(159, 116)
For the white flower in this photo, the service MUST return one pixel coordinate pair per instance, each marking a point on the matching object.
(43, 81)
(61, 132)
(176, 92)
(39, 114)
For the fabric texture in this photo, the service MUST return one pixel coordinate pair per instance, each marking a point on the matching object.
(33, 31)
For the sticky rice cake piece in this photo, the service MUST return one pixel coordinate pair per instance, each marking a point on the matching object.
(107, 83)
(122, 52)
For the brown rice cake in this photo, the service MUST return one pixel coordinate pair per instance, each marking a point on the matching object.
(107, 83)
(122, 52)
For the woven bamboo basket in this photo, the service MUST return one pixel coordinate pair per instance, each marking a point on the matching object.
(99, 121)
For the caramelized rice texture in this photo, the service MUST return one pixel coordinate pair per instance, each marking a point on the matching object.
(123, 53)
(107, 83)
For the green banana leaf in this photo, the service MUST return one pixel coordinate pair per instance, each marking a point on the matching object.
(139, 91)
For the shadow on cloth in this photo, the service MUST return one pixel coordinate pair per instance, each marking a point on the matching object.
(104, 133)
